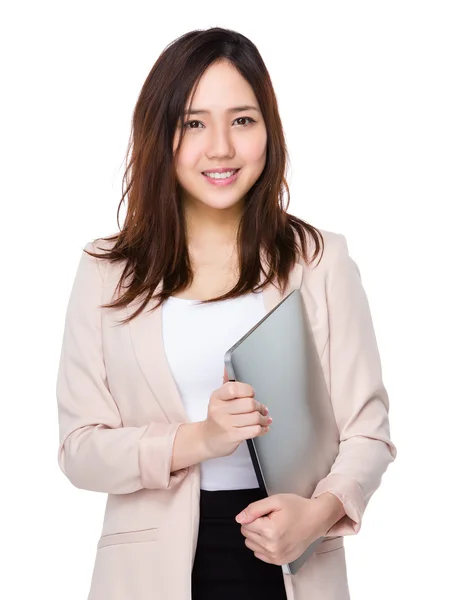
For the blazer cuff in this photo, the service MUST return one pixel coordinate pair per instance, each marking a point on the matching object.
(349, 492)
(155, 456)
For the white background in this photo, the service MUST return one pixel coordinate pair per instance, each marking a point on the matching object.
(372, 96)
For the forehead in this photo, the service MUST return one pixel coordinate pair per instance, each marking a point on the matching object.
(221, 87)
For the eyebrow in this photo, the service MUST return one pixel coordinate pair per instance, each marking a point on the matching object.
(234, 109)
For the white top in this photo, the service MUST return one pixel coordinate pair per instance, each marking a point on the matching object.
(196, 338)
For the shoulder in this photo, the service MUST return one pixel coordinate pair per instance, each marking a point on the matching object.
(333, 248)
(101, 245)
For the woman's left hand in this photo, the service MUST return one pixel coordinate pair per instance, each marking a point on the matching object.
(280, 528)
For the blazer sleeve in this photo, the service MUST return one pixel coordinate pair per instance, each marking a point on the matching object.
(358, 396)
(96, 452)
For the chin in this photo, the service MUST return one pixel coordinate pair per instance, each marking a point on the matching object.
(215, 199)
(221, 204)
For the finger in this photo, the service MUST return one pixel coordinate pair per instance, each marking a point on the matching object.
(251, 432)
(258, 551)
(238, 406)
(235, 389)
(264, 558)
(246, 419)
(252, 532)
(225, 375)
(254, 545)
(265, 431)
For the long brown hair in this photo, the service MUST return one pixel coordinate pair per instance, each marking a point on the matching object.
(152, 243)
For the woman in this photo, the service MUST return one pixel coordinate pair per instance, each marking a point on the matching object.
(145, 415)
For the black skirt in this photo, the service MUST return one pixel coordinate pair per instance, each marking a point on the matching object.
(224, 567)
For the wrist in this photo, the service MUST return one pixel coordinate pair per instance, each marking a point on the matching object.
(189, 446)
(203, 441)
(330, 509)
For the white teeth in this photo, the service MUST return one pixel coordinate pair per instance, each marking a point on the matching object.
(220, 175)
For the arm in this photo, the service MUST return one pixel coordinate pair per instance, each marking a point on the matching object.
(358, 396)
(95, 451)
(189, 447)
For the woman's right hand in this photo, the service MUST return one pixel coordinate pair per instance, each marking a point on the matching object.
(233, 415)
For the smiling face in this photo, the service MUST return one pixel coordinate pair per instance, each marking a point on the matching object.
(219, 137)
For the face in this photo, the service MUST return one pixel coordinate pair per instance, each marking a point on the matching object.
(219, 137)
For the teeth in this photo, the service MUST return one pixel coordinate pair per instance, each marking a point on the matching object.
(220, 175)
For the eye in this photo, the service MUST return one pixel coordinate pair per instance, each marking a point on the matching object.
(188, 124)
(248, 118)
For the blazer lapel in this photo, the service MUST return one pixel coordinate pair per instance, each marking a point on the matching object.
(272, 295)
(147, 338)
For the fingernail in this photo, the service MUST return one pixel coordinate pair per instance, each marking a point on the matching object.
(241, 517)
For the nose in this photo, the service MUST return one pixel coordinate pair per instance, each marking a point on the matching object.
(220, 144)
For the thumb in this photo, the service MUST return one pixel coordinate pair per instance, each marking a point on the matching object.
(225, 375)
(257, 509)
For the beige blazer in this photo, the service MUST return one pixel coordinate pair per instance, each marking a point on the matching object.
(119, 410)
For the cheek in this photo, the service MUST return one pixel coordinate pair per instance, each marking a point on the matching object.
(188, 159)
(255, 150)
(188, 154)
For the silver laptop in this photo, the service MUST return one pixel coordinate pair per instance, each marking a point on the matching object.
(278, 358)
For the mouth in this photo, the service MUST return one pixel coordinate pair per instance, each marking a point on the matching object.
(222, 179)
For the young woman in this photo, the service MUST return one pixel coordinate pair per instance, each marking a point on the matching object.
(145, 412)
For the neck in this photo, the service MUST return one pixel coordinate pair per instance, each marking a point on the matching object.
(208, 227)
